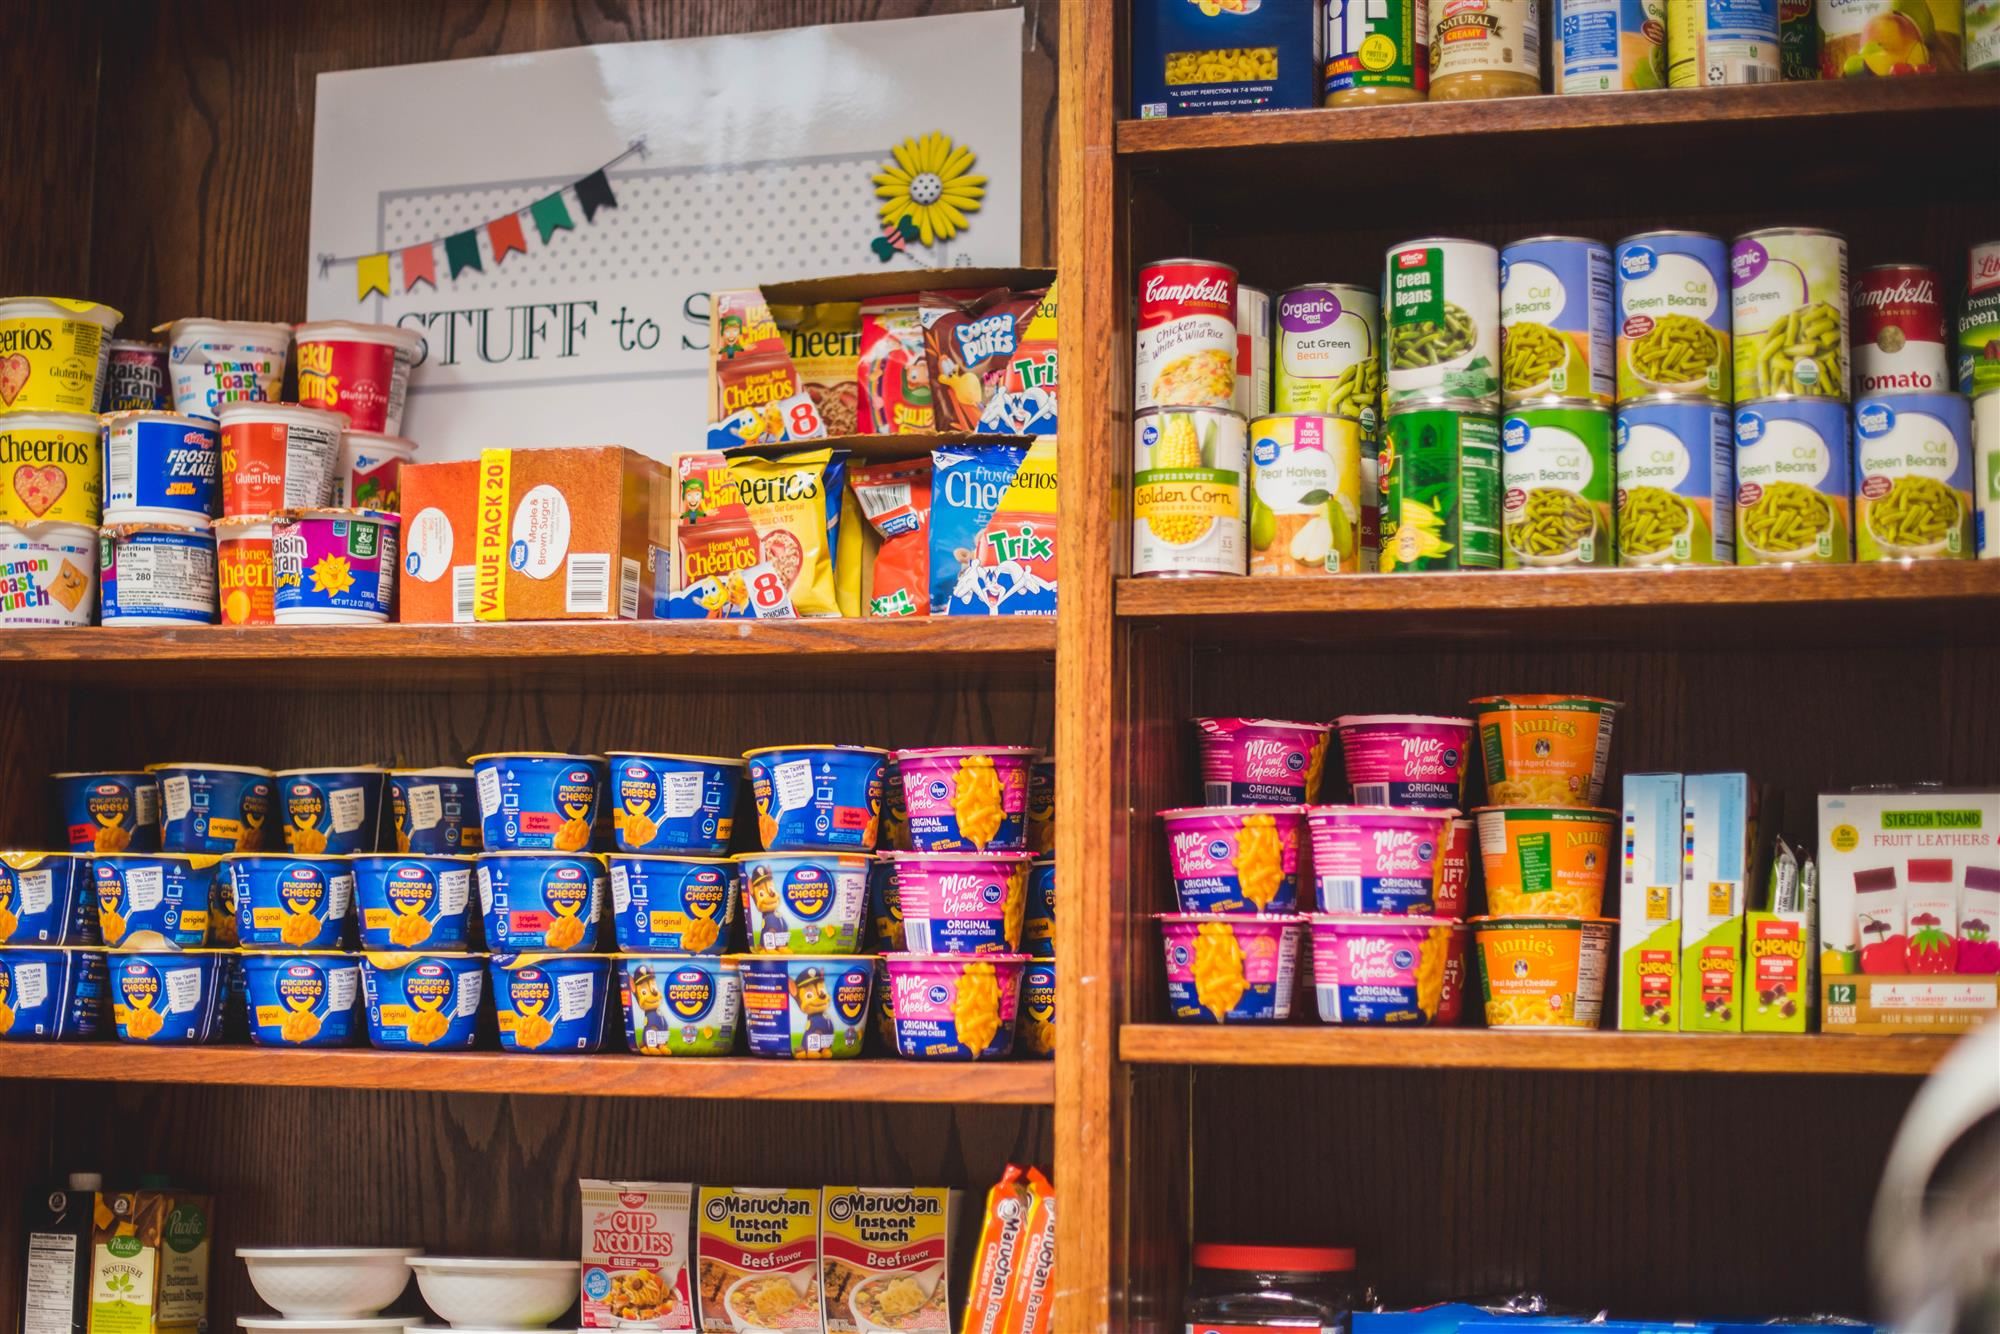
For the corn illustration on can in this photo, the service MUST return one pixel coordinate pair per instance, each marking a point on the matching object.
(1190, 505)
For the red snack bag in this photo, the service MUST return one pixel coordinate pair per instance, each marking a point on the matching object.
(895, 383)
(1000, 1250)
(895, 498)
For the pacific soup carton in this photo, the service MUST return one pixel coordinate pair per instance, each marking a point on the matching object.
(1649, 904)
(149, 1262)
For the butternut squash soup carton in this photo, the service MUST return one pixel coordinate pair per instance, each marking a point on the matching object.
(149, 1263)
(568, 534)
(757, 1262)
(885, 1257)
(635, 1255)
(1649, 905)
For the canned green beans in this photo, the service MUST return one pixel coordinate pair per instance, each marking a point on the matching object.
(1329, 352)
(1441, 320)
(1440, 483)
(1979, 322)
(1913, 477)
(1555, 320)
(1788, 301)
(1676, 482)
(1673, 315)
(1792, 482)
(1986, 475)
(1557, 478)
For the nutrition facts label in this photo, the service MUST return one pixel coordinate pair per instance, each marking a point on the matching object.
(50, 1304)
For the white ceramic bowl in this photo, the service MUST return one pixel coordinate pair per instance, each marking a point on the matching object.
(326, 1324)
(497, 1294)
(324, 1282)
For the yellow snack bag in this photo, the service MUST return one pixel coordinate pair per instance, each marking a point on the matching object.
(753, 537)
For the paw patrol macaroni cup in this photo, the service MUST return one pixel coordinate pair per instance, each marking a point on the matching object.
(154, 900)
(1229, 969)
(962, 902)
(673, 905)
(804, 903)
(169, 996)
(289, 901)
(1235, 859)
(674, 803)
(550, 1002)
(541, 900)
(212, 808)
(817, 797)
(953, 1008)
(1038, 933)
(301, 999)
(422, 1002)
(47, 898)
(806, 1006)
(1037, 1025)
(1377, 969)
(533, 801)
(680, 1005)
(434, 811)
(410, 902)
(108, 812)
(966, 798)
(337, 811)
(48, 994)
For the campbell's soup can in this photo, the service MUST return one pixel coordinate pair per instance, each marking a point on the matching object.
(135, 378)
(1899, 330)
(1253, 350)
(1187, 346)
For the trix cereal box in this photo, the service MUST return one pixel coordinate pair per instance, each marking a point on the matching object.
(993, 530)
(757, 1258)
(1649, 904)
(1910, 882)
(635, 1255)
(566, 534)
(885, 1259)
(438, 544)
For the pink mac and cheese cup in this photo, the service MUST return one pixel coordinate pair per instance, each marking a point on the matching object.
(1260, 761)
(1406, 759)
(1378, 859)
(1235, 859)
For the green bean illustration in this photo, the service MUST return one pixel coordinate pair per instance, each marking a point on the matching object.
(1678, 349)
(1801, 353)
(1357, 391)
(1428, 343)
(1787, 517)
(1650, 519)
(1917, 511)
(1530, 354)
(1555, 521)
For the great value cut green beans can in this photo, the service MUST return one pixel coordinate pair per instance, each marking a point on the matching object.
(1792, 482)
(1788, 300)
(1440, 486)
(1556, 483)
(1555, 320)
(1441, 320)
(1676, 482)
(1673, 315)
(1913, 477)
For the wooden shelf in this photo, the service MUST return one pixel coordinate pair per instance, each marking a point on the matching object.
(743, 1077)
(1481, 1049)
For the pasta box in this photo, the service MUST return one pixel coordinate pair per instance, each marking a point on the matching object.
(567, 534)
(635, 1255)
(439, 501)
(1202, 60)
(885, 1256)
(1910, 881)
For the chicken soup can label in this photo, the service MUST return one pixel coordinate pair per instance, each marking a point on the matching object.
(1187, 350)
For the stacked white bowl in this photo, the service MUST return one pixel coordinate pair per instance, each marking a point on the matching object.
(473, 1295)
(334, 1290)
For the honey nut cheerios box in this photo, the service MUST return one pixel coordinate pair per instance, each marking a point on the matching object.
(635, 1255)
(886, 1257)
(757, 1258)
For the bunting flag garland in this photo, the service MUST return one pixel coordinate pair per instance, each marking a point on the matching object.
(594, 193)
(372, 275)
(462, 252)
(505, 233)
(551, 215)
(419, 266)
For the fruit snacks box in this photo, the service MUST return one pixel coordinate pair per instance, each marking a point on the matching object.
(1649, 904)
(993, 530)
(635, 1255)
(1869, 1003)
(885, 1257)
(757, 1261)
(439, 547)
(1910, 882)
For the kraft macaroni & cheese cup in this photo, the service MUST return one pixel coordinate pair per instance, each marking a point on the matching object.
(168, 996)
(962, 902)
(422, 1002)
(1451, 997)
(1404, 759)
(406, 901)
(680, 1005)
(154, 900)
(434, 811)
(1375, 969)
(895, 811)
(301, 998)
(333, 566)
(1378, 859)
(290, 901)
(47, 898)
(674, 803)
(108, 812)
(818, 797)
(361, 371)
(954, 1007)
(1229, 969)
(1545, 750)
(885, 905)
(1546, 860)
(806, 1006)
(536, 800)
(541, 900)
(53, 351)
(804, 902)
(49, 993)
(336, 811)
(673, 905)
(1037, 1024)
(1038, 933)
(1042, 804)
(48, 574)
(1235, 859)
(213, 808)
(1261, 761)
(550, 1002)
(1542, 972)
(214, 363)
(966, 798)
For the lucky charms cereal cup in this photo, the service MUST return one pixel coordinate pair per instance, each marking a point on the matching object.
(52, 353)
(1230, 969)
(1375, 969)
(407, 901)
(50, 469)
(337, 810)
(277, 457)
(536, 800)
(49, 993)
(47, 898)
(1546, 860)
(674, 803)
(1406, 759)
(885, 906)
(817, 797)
(1038, 933)
(550, 1002)
(434, 811)
(422, 1002)
(1260, 761)
(1542, 972)
(673, 905)
(361, 371)
(1037, 1024)
(245, 577)
(1378, 859)
(154, 900)
(680, 1004)
(1235, 859)
(541, 900)
(954, 1007)
(214, 363)
(168, 996)
(156, 573)
(1545, 750)
(301, 998)
(290, 901)
(108, 811)
(806, 1006)
(962, 902)
(48, 574)
(213, 807)
(333, 566)
(804, 902)
(966, 798)
(370, 472)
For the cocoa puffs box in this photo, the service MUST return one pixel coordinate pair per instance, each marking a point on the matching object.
(555, 534)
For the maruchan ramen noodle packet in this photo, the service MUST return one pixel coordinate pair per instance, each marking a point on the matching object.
(895, 498)
(993, 530)
(757, 1261)
(756, 396)
(1032, 1298)
(1001, 1250)
(754, 538)
(886, 1258)
(824, 343)
(992, 361)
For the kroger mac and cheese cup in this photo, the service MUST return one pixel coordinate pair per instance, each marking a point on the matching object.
(1235, 859)
(1404, 759)
(962, 902)
(361, 370)
(337, 810)
(680, 1005)
(277, 456)
(966, 797)
(1545, 750)
(1372, 969)
(1228, 969)
(290, 901)
(52, 353)
(804, 902)
(682, 804)
(108, 811)
(954, 1007)
(1546, 860)
(673, 905)
(817, 797)
(1378, 859)
(52, 992)
(1260, 761)
(1542, 972)
(536, 800)
(301, 998)
(169, 997)
(423, 1002)
(550, 1002)
(215, 363)
(434, 811)
(408, 901)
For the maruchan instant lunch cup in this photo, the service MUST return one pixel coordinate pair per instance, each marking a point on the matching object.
(48, 574)
(169, 997)
(673, 905)
(359, 370)
(541, 900)
(108, 811)
(301, 999)
(1378, 859)
(550, 1002)
(953, 1007)
(48, 994)
(215, 363)
(153, 900)
(370, 472)
(806, 1006)
(1038, 933)
(962, 902)
(805, 902)
(157, 574)
(1546, 860)
(408, 901)
(47, 898)
(1230, 969)
(423, 1002)
(1372, 969)
(1260, 761)
(50, 468)
(244, 578)
(52, 353)
(966, 798)
(336, 810)
(537, 801)
(818, 797)
(680, 1005)
(277, 456)
(164, 463)
(333, 567)
(1037, 1023)
(434, 811)
(213, 808)
(674, 803)
(290, 901)
(1542, 972)
(1235, 859)
(1546, 750)
(1406, 759)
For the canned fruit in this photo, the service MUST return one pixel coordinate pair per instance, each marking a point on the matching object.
(1555, 320)
(1605, 46)
(804, 903)
(966, 798)
(412, 901)
(807, 1007)
(213, 808)
(1441, 316)
(1230, 969)
(1880, 38)
(952, 1008)
(1545, 860)
(1378, 859)
(1396, 759)
(1676, 483)
(1673, 315)
(537, 801)
(1712, 43)
(1792, 482)
(1235, 859)
(550, 1002)
(1558, 475)
(434, 811)
(301, 999)
(679, 1005)
(1371, 969)
(107, 812)
(1187, 335)
(1545, 750)
(47, 898)
(332, 810)
(1899, 331)
(1788, 302)
(1329, 356)
(288, 901)
(51, 468)
(423, 1002)
(1261, 761)
(1542, 972)
(53, 352)
(673, 905)
(1913, 477)
(172, 997)
(962, 903)
(1377, 52)
(1485, 48)
(814, 797)
(1440, 488)
(1305, 495)
(541, 900)
(1189, 497)
(48, 994)
(674, 803)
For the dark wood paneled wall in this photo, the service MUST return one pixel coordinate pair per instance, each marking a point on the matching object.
(48, 65)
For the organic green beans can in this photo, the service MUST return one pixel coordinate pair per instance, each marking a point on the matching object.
(1788, 302)
(1440, 485)
(1673, 315)
(1676, 482)
(1793, 482)
(1556, 483)
(1441, 320)
(1913, 477)
(1329, 352)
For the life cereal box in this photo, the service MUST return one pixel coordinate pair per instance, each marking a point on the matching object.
(993, 530)
(886, 1258)
(757, 1259)
(635, 1255)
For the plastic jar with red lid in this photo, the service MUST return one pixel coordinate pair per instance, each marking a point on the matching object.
(1241, 1289)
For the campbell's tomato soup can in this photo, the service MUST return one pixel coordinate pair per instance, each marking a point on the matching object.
(1899, 330)
(359, 370)
(135, 378)
(1187, 335)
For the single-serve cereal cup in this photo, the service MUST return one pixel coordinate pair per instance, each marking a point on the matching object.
(1261, 761)
(290, 901)
(407, 901)
(370, 472)
(535, 801)
(435, 811)
(361, 371)
(163, 463)
(1406, 759)
(1542, 972)
(108, 811)
(1375, 969)
(673, 905)
(1378, 859)
(302, 998)
(423, 1002)
(333, 566)
(51, 469)
(277, 456)
(962, 902)
(541, 900)
(550, 1002)
(168, 996)
(1038, 933)
(1546, 860)
(806, 1006)
(1545, 750)
(1230, 969)
(53, 352)
(1038, 1009)
(151, 573)
(817, 797)
(49, 993)
(674, 803)
(214, 363)
(804, 902)
(47, 898)
(960, 798)
(332, 810)
(954, 1008)
(680, 1005)
(213, 808)
(244, 576)
(48, 574)
(154, 901)
(1235, 859)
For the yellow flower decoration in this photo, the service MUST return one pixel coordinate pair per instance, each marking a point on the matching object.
(333, 575)
(928, 184)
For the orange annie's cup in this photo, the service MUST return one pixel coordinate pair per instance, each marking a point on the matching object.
(1546, 859)
(1545, 750)
(1542, 972)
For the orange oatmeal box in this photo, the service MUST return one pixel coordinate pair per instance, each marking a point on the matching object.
(635, 1255)
(886, 1257)
(757, 1258)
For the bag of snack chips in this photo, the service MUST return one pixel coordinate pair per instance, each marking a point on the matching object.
(993, 530)
(894, 384)
(755, 394)
(896, 500)
(992, 361)
(1000, 1249)
(754, 537)
(824, 343)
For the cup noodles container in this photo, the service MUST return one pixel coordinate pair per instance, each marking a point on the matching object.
(680, 1004)
(107, 811)
(1900, 343)
(245, 579)
(1372, 969)
(966, 797)
(1545, 749)
(962, 902)
(409, 901)
(1230, 969)
(438, 504)
(1378, 859)
(1235, 859)
(157, 574)
(50, 468)
(434, 811)
(52, 353)
(1187, 342)
(52, 993)
(1406, 759)
(301, 998)
(567, 534)
(169, 997)
(213, 808)
(135, 378)
(1550, 861)
(635, 1255)
(215, 363)
(47, 898)
(1260, 761)
(333, 566)
(164, 463)
(48, 574)
(883, 1249)
(951, 1007)
(369, 473)
(757, 1255)
(1542, 972)
(277, 456)
(359, 370)
(805, 1006)
(423, 1002)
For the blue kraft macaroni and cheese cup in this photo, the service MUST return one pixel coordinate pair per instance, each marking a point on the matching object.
(288, 901)
(673, 905)
(541, 900)
(1036, 1028)
(434, 811)
(673, 803)
(1038, 932)
(551, 1002)
(534, 801)
(811, 798)
(301, 999)
(108, 812)
(804, 902)
(408, 902)
(168, 996)
(806, 1006)
(422, 1002)
(49, 994)
(213, 808)
(680, 1005)
(337, 811)
(47, 898)
(154, 900)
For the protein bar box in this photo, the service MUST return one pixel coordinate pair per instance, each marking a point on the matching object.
(568, 534)
(885, 1257)
(635, 1255)
(438, 502)
(757, 1260)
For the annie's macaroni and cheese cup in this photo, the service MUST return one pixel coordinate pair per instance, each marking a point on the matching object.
(1546, 860)
(423, 1002)
(301, 998)
(955, 1007)
(1542, 972)
(215, 363)
(359, 370)
(1379, 859)
(52, 353)
(49, 993)
(1545, 750)
(673, 905)
(1228, 969)
(680, 1005)
(1235, 859)
(962, 902)
(47, 898)
(550, 1002)
(1376, 969)
(966, 798)
(169, 996)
